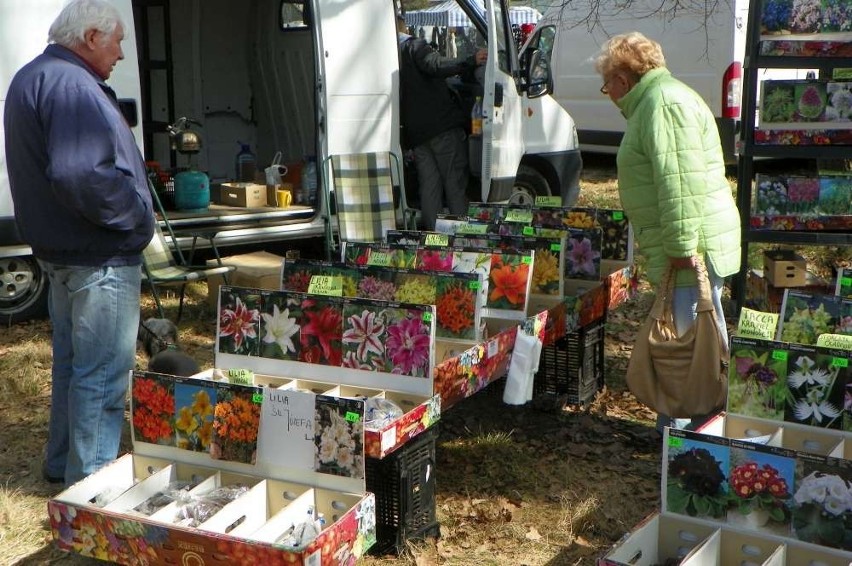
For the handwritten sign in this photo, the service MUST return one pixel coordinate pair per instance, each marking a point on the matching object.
(437, 240)
(469, 228)
(520, 215)
(241, 376)
(756, 324)
(328, 285)
(836, 341)
(286, 434)
(379, 259)
(548, 201)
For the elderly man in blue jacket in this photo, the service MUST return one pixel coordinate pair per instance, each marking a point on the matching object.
(81, 199)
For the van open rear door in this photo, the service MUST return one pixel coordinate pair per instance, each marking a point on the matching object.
(356, 91)
(502, 136)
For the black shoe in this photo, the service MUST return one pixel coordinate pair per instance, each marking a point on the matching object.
(51, 479)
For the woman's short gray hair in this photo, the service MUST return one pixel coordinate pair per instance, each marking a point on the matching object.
(631, 52)
(78, 16)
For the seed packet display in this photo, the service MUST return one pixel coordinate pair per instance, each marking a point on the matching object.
(239, 321)
(817, 381)
(153, 399)
(843, 287)
(457, 306)
(583, 254)
(339, 436)
(820, 512)
(195, 401)
(760, 483)
(757, 378)
(391, 338)
(360, 254)
(804, 316)
(236, 421)
(473, 260)
(696, 467)
(835, 194)
(508, 284)
(616, 236)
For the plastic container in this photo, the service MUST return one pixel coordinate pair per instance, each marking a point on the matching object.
(192, 191)
(309, 180)
(476, 118)
(246, 164)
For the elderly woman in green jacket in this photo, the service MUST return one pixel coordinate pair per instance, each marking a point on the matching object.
(671, 175)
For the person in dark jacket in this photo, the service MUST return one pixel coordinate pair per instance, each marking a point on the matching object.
(79, 187)
(433, 124)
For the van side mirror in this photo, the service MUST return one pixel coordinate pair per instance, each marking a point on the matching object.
(538, 76)
(129, 111)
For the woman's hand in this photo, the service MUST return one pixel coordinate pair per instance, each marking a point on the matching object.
(683, 262)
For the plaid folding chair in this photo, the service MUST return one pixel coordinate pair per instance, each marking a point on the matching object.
(161, 266)
(363, 198)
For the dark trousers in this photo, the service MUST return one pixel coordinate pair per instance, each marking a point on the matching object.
(442, 173)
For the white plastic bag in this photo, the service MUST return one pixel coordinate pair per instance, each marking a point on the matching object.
(521, 369)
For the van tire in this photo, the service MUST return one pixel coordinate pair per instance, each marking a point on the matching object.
(529, 184)
(23, 290)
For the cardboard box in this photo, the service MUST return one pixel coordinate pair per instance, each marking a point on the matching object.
(244, 195)
(785, 268)
(257, 269)
(123, 512)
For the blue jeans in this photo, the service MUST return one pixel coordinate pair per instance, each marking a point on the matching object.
(95, 317)
(684, 303)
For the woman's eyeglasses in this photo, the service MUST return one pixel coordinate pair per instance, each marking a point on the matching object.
(605, 87)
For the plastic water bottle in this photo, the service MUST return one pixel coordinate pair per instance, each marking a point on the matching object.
(476, 118)
(309, 180)
(246, 164)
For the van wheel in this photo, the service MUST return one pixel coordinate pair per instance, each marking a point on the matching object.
(529, 184)
(23, 290)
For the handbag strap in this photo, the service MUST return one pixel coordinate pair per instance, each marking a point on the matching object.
(663, 302)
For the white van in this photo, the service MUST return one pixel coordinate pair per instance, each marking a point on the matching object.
(303, 77)
(703, 50)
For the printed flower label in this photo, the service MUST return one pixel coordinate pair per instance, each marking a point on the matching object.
(437, 240)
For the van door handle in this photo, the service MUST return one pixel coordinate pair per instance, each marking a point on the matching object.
(498, 95)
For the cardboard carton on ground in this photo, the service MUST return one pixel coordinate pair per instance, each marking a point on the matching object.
(261, 270)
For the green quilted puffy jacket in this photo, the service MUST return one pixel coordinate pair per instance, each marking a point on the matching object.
(671, 178)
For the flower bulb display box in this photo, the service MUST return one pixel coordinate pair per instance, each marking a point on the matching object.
(779, 480)
(686, 541)
(225, 474)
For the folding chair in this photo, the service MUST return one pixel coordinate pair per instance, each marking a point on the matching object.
(162, 267)
(364, 204)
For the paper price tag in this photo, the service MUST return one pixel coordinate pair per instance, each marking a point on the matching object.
(468, 228)
(527, 259)
(241, 376)
(556, 247)
(493, 348)
(846, 281)
(328, 285)
(380, 259)
(548, 201)
(528, 231)
(352, 417)
(840, 362)
(519, 215)
(780, 355)
(438, 240)
(618, 215)
(427, 317)
(257, 398)
(675, 442)
(474, 285)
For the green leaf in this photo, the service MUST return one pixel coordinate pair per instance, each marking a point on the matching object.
(777, 514)
(678, 499)
(702, 504)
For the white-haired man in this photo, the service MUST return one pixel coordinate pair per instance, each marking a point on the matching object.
(81, 201)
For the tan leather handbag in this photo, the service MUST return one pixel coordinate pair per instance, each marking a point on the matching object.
(682, 376)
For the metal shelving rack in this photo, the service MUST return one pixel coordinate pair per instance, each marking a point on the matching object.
(748, 150)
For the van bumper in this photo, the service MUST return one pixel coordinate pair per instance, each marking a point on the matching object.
(728, 132)
(561, 169)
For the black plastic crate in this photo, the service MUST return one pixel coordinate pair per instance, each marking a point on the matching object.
(404, 485)
(573, 365)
